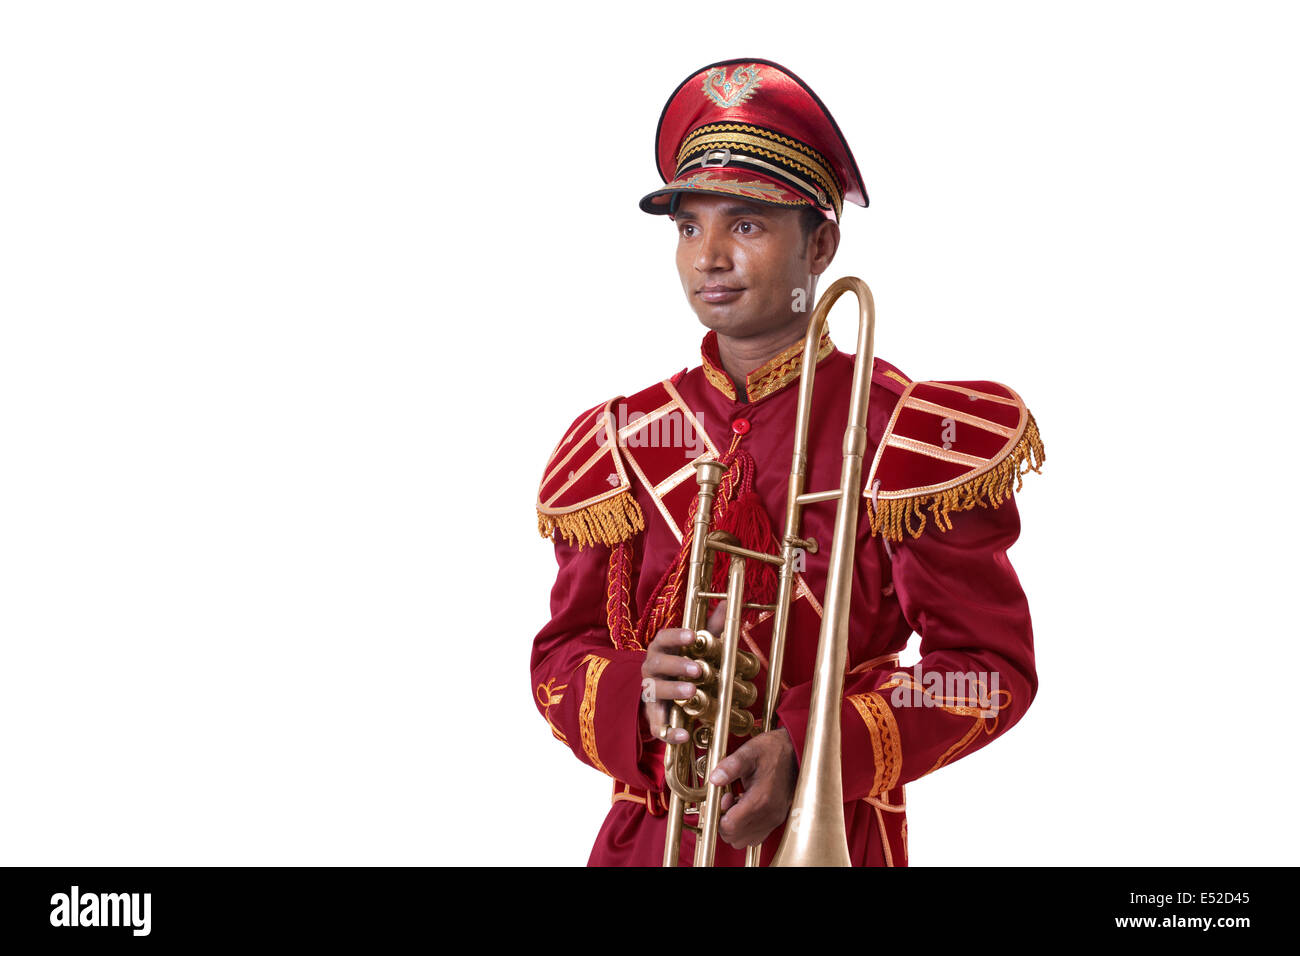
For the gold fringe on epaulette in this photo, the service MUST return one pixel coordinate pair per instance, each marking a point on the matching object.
(606, 522)
(895, 516)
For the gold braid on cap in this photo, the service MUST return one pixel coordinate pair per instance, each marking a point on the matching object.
(762, 148)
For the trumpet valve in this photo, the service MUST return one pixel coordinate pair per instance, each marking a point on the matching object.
(700, 706)
(742, 723)
(705, 647)
(708, 676)
(743, 693)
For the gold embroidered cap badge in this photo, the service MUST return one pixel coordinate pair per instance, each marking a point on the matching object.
(728, 92)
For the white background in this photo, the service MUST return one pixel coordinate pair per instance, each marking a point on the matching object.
(297, 298)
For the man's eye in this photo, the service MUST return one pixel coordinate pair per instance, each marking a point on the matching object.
(747, 227)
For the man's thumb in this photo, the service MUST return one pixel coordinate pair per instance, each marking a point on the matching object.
(718, 619)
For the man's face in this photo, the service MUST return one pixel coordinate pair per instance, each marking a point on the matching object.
(740, 263)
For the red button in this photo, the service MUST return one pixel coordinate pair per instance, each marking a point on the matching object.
(740, 426)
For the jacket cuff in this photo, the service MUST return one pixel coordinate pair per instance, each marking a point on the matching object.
(612, 730)
(870, 751)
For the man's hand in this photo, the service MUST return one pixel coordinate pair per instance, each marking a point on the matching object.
(765, 765)
(767, 768)
(663, 672)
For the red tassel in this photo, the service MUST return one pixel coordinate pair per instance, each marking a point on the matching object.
(747, 520)
(738, 510)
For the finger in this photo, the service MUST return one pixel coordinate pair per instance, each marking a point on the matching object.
(655, 698)
(665, 690)
(674, 736)
(737, 826)
(671, 735)
(668, 666)
(657, 716)
(718, 619)
(737, 766)
(670, 640)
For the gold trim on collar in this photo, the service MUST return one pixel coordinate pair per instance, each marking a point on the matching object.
(770, 377)
(780, 371)
(719, 379)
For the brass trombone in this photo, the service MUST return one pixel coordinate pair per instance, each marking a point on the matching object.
(814, 830)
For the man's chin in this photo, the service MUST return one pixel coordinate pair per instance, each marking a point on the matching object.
(724, 320)
(736, 327)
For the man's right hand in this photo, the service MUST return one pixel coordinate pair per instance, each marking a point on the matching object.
(666, 674)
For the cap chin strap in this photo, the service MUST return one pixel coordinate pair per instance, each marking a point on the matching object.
(672, 203)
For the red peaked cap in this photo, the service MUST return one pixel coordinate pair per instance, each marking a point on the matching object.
(751, 128)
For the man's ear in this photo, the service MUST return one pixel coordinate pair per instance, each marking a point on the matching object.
(823, 243)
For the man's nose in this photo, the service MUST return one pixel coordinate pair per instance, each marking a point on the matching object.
(713, 251)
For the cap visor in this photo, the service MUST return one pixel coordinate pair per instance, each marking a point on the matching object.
(742, 184)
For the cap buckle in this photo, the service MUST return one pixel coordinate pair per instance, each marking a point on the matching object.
(715, 158)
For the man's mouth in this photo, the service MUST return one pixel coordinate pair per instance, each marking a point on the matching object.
(719, 293)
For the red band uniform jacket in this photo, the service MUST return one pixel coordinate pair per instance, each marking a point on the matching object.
(936, 519)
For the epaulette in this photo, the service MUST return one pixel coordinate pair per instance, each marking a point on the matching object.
(949, 446)
(585, 492)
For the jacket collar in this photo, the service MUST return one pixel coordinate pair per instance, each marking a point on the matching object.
(770, 377)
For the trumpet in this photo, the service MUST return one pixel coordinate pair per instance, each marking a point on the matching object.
(814, 834)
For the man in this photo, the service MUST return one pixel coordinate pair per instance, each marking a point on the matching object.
(756, 173)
